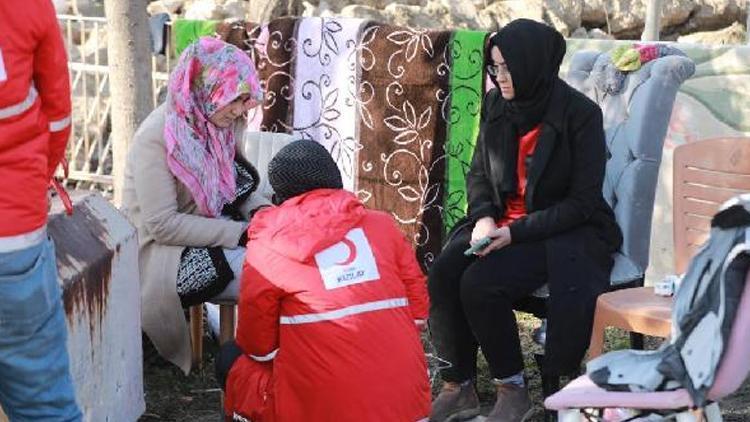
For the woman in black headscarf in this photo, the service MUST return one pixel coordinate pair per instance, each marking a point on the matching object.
(535, 188)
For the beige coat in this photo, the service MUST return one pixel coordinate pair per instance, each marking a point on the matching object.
(165, 215)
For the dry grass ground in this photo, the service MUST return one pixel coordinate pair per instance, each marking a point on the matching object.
(172, 396)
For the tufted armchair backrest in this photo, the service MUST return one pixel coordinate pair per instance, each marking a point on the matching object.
(635, 123)
(258, 148)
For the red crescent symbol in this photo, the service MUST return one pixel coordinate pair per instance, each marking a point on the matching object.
(352, 252)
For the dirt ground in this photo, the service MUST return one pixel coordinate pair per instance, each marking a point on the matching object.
(172, 396)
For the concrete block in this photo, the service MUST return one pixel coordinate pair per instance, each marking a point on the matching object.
(97, 260)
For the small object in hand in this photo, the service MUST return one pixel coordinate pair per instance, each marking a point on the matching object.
(481, 244)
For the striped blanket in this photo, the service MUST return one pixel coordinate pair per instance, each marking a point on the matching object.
(397, 108)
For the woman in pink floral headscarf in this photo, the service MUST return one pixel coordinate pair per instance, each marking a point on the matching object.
(189, 193)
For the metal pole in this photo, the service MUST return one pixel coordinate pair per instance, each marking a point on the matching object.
(653, 15)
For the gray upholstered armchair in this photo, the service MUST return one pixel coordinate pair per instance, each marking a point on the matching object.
(637, 110)
(635, 122)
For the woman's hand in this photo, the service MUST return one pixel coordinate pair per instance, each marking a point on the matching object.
(483, 227)
(502, 239)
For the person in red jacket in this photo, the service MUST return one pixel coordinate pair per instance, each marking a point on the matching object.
(331, 304)
(35, 382)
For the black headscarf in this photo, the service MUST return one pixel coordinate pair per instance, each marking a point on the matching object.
(533, 53)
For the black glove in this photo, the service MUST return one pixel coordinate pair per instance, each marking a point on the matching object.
(243, 240)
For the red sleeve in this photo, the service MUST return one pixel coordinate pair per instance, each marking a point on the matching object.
(52, 82)
(413, 277)
(258, 319)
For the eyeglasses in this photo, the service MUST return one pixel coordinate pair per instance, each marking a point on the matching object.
(496, 69)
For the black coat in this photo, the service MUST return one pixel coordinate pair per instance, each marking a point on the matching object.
(565, 209)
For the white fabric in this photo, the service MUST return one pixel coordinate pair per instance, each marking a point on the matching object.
(325, 89)
(235, 258)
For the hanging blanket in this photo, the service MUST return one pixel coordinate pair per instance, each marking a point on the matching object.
(273, 51)
(466, 92)
(403, 108)
(325, 90)
(186, 31)
(381, 99)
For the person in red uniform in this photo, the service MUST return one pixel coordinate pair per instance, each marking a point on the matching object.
(534, 187)
(331, 305)
(35, 106)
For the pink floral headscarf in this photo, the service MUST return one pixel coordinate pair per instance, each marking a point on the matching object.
(209, 75)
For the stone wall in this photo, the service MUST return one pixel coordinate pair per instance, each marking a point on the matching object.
(621, 19)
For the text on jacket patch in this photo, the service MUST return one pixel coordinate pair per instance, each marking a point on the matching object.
(3, 74)
(347, 262)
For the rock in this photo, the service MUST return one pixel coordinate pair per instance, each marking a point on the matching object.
(91, 8)
(715, 14)
(675, 12)
(164, 6)
(309, 9)
(593, 13)
(579, 33)
(598, 34)
(204, 10)
(87, 52)
(61, 6)
(734, 34)
(235, 9)
(564, 15)
(463, 13)
(364, 12)
(338, 5)
(432, 15)
(500, 13)
(626, 18)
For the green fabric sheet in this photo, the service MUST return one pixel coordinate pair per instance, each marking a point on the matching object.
(466, 93)
(186, 31)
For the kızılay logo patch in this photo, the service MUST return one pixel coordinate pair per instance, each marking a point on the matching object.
(348, 262)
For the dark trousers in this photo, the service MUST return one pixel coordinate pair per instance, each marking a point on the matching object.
(229, 352)
(472, 304)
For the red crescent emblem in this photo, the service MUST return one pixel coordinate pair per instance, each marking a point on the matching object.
(352, 252)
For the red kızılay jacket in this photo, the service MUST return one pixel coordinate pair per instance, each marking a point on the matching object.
(332, 290)
(35, 109)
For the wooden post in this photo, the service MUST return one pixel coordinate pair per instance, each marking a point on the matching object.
(653, 16)
(129, 54)
(226, 322)
(196, 335)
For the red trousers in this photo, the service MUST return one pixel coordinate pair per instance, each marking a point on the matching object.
(249, 394)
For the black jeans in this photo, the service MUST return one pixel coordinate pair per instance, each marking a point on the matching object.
(472, 304)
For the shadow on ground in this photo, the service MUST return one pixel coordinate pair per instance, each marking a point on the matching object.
(173, 396)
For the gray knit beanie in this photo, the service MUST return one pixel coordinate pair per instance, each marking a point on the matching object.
(300, 167)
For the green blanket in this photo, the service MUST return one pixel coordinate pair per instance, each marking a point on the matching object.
(187, 31)
(466, 93)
